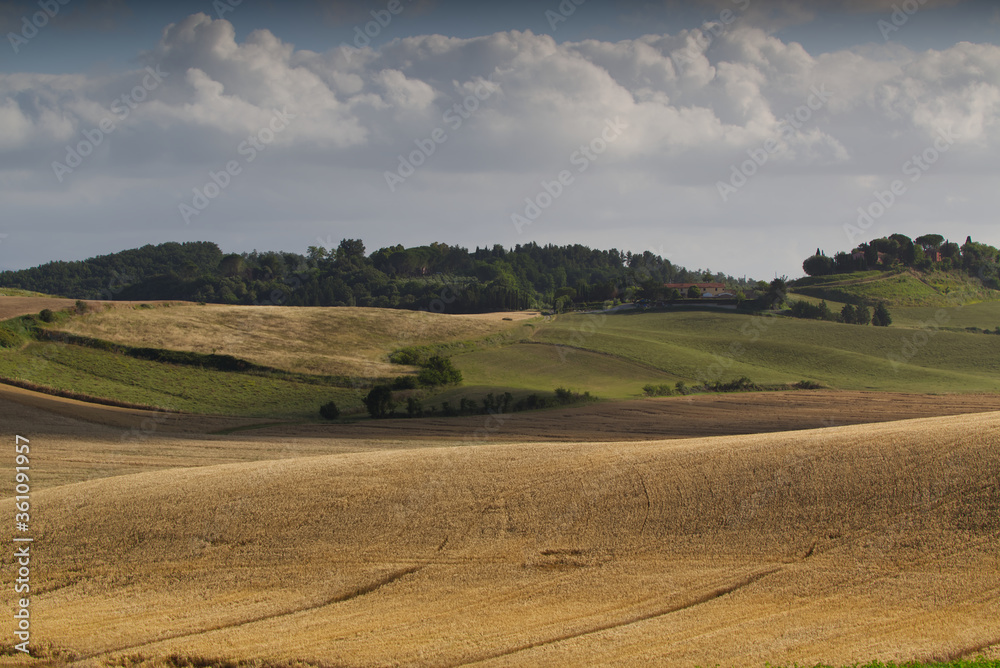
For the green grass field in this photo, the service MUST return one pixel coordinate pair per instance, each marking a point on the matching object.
(526, 366)
(103, 374)
(831, 279)
(905, 288)
(610, 356)
(985, 315)
(960, 663)
(769, 350)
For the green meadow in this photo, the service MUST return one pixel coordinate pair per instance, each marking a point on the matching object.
(107, 375)
(632, 348)
(611, 356)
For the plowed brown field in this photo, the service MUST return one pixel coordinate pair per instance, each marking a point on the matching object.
(90, 440)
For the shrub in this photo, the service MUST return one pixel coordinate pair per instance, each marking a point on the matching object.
(379, 402)
(657, 390)
(802, 309)
(439, 371)
(497, 404)
(81, 307)
(881, 317)
(414, 408)
(741, 384)
(46, 315)
(848, 314)
(681, 387)
(807, 385)
(404, 383)
(329, 411)
(405, 356)
(534, 401)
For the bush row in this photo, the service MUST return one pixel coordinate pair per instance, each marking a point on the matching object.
(381, 403)
(742, 384)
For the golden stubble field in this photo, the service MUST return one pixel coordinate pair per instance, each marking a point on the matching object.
(840, 544)
(12, 307)
(334, 341)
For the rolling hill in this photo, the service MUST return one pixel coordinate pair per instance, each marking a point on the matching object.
(907, 287)
(611, 356)
(837, 545)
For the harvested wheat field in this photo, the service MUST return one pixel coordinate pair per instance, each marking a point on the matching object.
(13, 306)
(336, 341)
(85, 440)
(840, 544)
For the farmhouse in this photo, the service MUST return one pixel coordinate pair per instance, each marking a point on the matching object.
(707, 289)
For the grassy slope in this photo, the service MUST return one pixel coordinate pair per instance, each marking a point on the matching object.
(347, 341)
(985, 315)
(334, 341)
(835, 545)
(526, 366)
(610, 356)
(722, 346)
(102, 374)
(906, 288)
(16, 292)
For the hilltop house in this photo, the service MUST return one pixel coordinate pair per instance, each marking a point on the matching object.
(707, 289)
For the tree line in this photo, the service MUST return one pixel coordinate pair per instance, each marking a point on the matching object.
(436, 277)
(849, 314)
(926, 252)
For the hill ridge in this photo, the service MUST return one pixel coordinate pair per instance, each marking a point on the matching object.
(887, 522)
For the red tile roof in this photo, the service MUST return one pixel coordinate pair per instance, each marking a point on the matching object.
(685, 286)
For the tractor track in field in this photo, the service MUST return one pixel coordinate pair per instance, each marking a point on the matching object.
(705, 598)
(339, 598)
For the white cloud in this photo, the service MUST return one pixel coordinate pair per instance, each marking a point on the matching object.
(693, 105)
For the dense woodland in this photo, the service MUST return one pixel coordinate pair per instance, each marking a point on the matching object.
(927, 252)
(437, 277)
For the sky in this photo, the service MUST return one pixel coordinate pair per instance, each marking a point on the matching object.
(726, 135)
